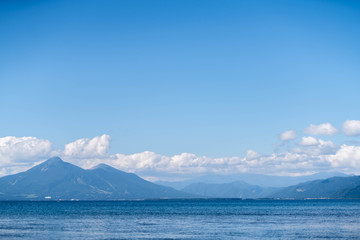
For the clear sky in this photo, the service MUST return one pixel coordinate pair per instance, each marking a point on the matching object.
(211, 78)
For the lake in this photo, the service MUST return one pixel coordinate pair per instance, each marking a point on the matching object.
(181, 219)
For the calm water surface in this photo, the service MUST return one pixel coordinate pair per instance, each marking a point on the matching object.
(182, 219)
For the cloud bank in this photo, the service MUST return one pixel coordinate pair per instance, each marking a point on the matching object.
(309, 155)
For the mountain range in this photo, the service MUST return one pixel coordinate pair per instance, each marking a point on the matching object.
(335, 187)
(254, 179)
(55, 179)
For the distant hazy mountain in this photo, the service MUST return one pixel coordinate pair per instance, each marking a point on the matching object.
(336, 187)
(61, 180)
(237, 189)
(253, 179)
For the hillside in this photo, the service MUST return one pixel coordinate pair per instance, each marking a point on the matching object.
(335, 187)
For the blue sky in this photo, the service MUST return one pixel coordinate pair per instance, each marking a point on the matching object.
(212, 78)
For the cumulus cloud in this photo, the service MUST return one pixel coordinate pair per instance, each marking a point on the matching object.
(288, 135)
(308, 141)
(88, 148)
(20, 153)
(151, 164)
(327, 147)
(321, 129)
(18, 150)
(251, 155)
(351, 127)
(183, 163)
(315, 147)
(346, 157)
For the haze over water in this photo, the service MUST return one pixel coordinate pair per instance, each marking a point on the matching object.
(182, 219)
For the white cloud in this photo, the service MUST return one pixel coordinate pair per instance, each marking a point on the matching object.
(20, 153)
(88, 148)
(346, 156)
(288, 135)
(18, 150)
(326, 147)
(309, 141)
(182, 163)
(251, 155)
(351, 127)
(151, 164)
(315, 147)
(321, 129)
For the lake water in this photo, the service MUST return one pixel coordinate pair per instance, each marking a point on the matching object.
(182, 219)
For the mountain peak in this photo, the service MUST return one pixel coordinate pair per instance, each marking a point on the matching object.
(54, 160)
(104, 167)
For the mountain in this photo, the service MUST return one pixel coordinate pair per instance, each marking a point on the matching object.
(253, 179)
(57, 179)
(335, 187)
(238, 189)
